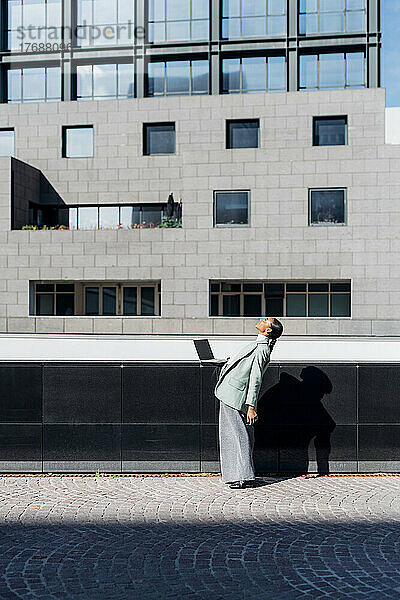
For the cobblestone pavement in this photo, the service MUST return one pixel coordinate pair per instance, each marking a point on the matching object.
(194, 538)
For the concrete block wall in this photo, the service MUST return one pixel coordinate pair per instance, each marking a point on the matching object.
(278, 245)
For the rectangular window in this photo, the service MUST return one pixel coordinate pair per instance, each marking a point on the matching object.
(96, 299)
(54, 299)
(241, 133)
(77, 141)
(231, 208)
(178, 20)
(34, 84)
(327, 207)
(330, 131)
(6, 142)
(334, 70)
(104, 22)
(254, 74)
(178, 78)
(105, 82)
(280, 299)
(159, 138)
(331, 16)
(38, 20)
(258, 18)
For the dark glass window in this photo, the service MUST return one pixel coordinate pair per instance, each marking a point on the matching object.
(92, 301)
(331, 16)
(231, 208)
(178, 78)
(147, 301)
(104, 82)
(38, 20)
(332, 70)
(77, 142)
(291, 299)
(254, 74)
(109, 300)
(159, 138)
(54, 299)
(255, 18)
(129, 300)
(104, 22)
(97, 299)
(33, 84)
(242, 134)
(6, 142)
(175, 20)
(327, 207)
(330, 131)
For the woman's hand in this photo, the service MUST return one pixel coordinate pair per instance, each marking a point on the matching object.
(251, 415)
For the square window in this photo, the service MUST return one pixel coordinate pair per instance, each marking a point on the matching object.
(231, 208)
(330, 131)
(242, 134)
(327, 207)
(6, 142)
(78, 142)
(159, 138)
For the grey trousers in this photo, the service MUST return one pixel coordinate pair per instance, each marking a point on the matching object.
(236, 444)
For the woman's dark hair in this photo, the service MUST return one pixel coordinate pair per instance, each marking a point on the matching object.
(277, 330)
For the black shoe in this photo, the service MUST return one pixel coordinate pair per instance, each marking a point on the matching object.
(237, 485)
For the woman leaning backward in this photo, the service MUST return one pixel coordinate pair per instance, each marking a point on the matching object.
(237, 389)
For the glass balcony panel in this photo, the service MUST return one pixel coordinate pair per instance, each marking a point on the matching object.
(108, 217)
(178, 77)
(276, 73)
(331, 70)
(34, 84)
(355, 69)
(88, 217)
(254, 74)
(104, 81)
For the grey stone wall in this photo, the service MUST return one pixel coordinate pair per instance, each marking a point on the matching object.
(279, 244)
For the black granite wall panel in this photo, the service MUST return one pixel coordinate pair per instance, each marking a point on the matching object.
(82, 394)
(20, 393)
(379, 394)
(161, 394)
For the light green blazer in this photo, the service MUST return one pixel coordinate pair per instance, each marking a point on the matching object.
(240, 379)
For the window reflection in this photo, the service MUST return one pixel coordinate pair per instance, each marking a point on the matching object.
(231, 208)
(88, 217)
(241, 18)
(327, 207)
(254, 74)
(332, 70)
(6, 142)
(175, 20)
(34, 84)
(181, 77)
(105, 22)
(42, 17)
(106, 81)
(331, 16)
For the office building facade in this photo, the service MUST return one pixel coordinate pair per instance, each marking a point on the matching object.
(187, 167)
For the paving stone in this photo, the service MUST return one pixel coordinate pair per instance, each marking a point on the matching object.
(193, 538)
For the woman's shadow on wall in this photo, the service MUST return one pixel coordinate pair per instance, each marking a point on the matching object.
(291, 415)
